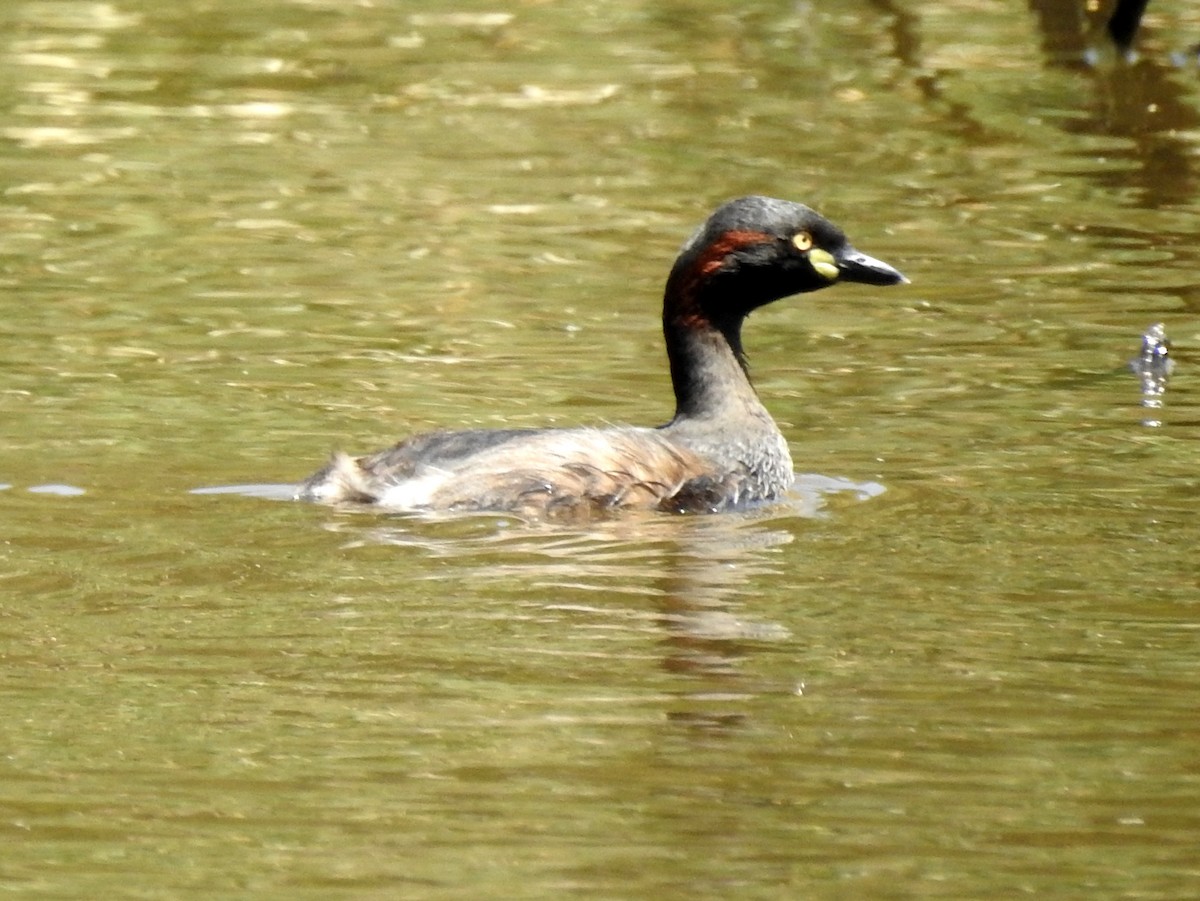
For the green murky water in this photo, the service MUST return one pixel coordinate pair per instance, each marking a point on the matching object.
(235, 237)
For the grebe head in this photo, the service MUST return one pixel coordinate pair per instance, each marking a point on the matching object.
(755, 250)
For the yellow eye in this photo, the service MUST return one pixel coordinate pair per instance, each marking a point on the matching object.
(802, 241)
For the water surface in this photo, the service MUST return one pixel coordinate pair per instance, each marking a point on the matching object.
(960, 663)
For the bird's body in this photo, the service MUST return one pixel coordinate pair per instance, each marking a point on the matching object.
(722, 448)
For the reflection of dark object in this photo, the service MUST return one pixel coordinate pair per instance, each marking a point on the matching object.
(1124, 22)
(1153, 367)
(1142, 99)
(1075, 32)
(721, 449)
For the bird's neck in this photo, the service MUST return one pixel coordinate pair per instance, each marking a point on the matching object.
(708, 368)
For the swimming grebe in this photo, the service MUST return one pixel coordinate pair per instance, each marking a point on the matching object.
(722, 448)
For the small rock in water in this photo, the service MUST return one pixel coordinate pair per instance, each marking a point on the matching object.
(1155, 357)
(1153, 367)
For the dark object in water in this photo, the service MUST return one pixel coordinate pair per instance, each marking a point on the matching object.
(1124, 22)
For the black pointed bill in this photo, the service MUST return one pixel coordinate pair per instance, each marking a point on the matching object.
(855, 266)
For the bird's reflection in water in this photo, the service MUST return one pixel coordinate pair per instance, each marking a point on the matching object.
(696, 573)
